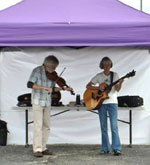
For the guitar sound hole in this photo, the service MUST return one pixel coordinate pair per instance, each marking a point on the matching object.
(99, 92)
(93, 96)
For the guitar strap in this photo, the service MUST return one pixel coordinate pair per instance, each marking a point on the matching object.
(111, 81)
(111, 77)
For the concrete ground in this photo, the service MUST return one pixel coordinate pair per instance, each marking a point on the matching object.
(66, 154)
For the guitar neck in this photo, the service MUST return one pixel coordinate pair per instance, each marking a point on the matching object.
(114, 83)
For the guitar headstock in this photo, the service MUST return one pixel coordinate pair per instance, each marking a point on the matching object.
(130, 74)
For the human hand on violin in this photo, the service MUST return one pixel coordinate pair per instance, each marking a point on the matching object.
(57, 89)
(60, 82)
(50, 90)
(68, 88)
(63, 88)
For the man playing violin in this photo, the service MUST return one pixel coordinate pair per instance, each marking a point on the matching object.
(42, 87)
(108, 106)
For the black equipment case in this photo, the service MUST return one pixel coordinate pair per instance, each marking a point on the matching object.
(25, 100)
(130, 101)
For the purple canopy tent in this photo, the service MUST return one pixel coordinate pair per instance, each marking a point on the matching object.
(73, 23)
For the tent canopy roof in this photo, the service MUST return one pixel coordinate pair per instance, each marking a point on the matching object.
(74, 11)
(73, 23)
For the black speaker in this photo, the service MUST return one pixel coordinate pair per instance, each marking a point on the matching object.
(3, 133)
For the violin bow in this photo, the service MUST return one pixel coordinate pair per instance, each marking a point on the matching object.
(62, 72)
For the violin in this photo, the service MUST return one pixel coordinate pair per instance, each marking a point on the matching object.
(59, 80)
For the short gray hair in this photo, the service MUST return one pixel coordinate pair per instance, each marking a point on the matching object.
(105, 60)
(51, 61)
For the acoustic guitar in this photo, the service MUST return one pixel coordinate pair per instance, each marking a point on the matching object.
(93, 98)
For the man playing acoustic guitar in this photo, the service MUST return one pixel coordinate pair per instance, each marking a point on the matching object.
(109, 105)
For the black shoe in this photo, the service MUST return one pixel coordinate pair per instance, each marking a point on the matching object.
(47, 152)
(104, 152)
(117, 152)
(38, 154)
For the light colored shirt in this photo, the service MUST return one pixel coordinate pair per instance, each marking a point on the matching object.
(41, 96)
(102, 78)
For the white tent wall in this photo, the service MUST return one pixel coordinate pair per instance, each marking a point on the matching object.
(80, 127)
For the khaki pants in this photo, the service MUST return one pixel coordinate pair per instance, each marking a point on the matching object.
(41, 117)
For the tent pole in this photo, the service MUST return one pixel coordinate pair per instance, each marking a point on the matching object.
(141, 5)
